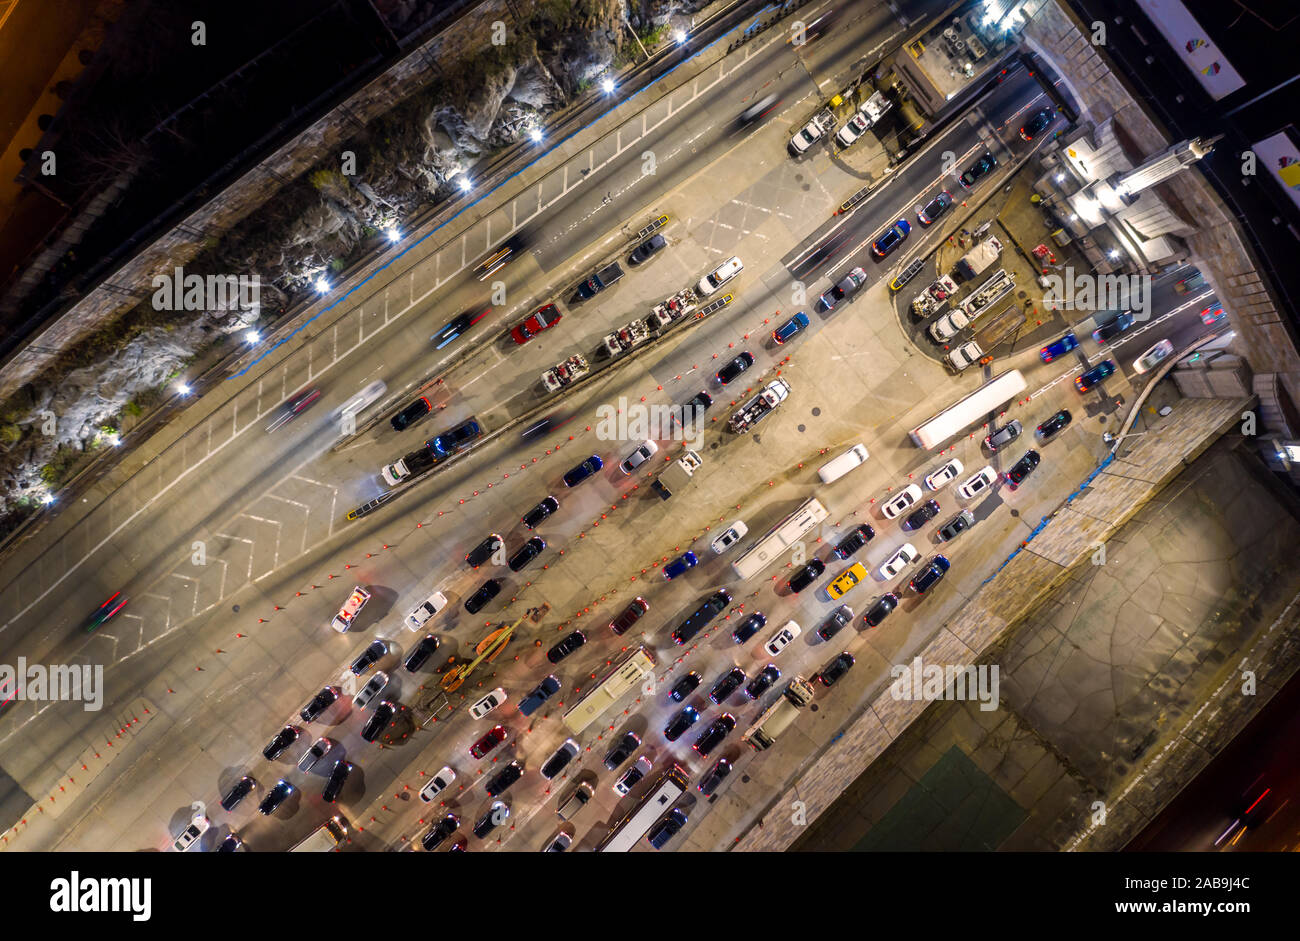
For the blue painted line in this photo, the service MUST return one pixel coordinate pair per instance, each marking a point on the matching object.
(541, 155)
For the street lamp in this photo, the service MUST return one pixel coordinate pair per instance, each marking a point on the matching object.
(394, 234)
(322, 286)
(535, 134)
(252, 336)
(607, 85)
(464, 183)
(182, 388)
(680, 36)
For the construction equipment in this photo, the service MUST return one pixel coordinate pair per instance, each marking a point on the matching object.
(572, 369)
(489, 648)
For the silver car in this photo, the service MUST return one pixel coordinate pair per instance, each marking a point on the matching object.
(314, 754)
(378, 683)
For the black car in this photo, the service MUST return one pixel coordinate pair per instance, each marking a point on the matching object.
(338, 777)
(496, 815)
(275, 797)
(533, 518)
(1057, 422)
(930, 575)
(665, 829)
(566, 646)
(749, 627)
(635, 610)
(679, 723)
(835, 669)
(646, 249)
(763, 682)
(694, 410)
(801, 579)
(373, 653)
(587, 468)
(486, 592)
(859, 537)
(422, 652)
(728, 684)
(880, 610)
(1037, 124)
(407, 416)
(622, 750)
(921, 515)
(319, 703)
(713, 605)
(541, 692)
(439, 832)
(1001, 437)
(527, 552)
(717, 774)
(449, 442)
(979, 168)
(241, 789)
(684, 687)
(507, 776)
(230, 844)
(835, 623)
(457, 326)
(560, 759)
(956, 526)
(734, 368)
(283, 739)
(378, 722)
(718, 729)
(484, 550)
(1022, 469)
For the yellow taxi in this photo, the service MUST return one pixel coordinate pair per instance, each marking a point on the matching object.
(847, 580)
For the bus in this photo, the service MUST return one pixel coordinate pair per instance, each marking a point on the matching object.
(973, 408)
(629, 831)
(780, 538)
(625, 677)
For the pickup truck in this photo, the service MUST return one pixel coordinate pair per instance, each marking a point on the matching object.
(676, 475)
(413, 463)
(672, 309)
(559, 376)
(620, 341)
(777, 718)
(600, 280)
(996, 331)
(772, 395)
(976, 261)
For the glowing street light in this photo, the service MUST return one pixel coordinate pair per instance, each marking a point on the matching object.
(394, 234)
(607, 85)
(680, 36)
(182, 388)
(252, 336)
(322, 286)
(47, 499)
(535, 135)
(1112, 254)
(464, 184)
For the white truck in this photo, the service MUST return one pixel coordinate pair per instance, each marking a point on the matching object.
(987, 294)
(772, 395)
(875, 107)
(935, 297)
(996, 331)
(777, 718)
(325, 838)
(976, 261)
(625, 338)
(559, 376)
(413, 463)
(949, 325)
(673, 309)
(676, 475)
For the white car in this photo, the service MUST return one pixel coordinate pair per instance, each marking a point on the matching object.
(730, 536)
(856, 127)
(487, 703)
(900, 560)
(811, 133)
(1152, 356)
(629, 778)
(944, 475)
(351, 608)
(643, 453)
(314, 754)
(425, 610)
(439, 783)
(901, 501)
(980, 483)
(782, 638)
(378, 683)
(190, 835)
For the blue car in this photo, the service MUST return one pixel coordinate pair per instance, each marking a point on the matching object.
(544, 691)
(929, 576)
(891, 238)
(792, 327)
(1103, 370)
(1059, 348)
(447, 444)
(584, 470)
(683, 563)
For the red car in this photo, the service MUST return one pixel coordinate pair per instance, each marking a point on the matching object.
(544, 319)
(631, 614)
(489, 741)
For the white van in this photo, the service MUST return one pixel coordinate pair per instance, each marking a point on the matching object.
(720, 276)
(835, 469)
(363, 399)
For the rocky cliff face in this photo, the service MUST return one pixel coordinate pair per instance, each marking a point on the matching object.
(477, 103)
